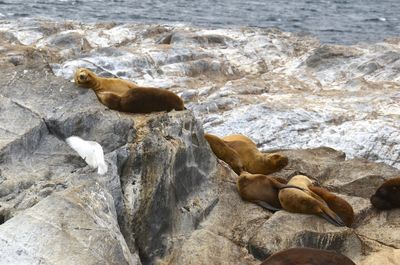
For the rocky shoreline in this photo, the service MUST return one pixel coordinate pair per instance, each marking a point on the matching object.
(166, 199)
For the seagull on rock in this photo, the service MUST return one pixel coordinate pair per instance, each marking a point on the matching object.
(90, 151)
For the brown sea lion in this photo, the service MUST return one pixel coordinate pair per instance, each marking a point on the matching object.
(85, 78)
(123, 95)
(341, 207)
(261, 189)
(387, 196)
(306, 201)
(307, 256)
(224, 152)
(253, 160)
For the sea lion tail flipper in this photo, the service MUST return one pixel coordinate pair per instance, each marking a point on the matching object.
(224, 152)
(331, 217)
(267, 206)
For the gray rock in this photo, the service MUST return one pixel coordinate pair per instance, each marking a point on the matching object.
(167, 182)
(166, 198)
(326, 53)
(76, 226)
(384, 257)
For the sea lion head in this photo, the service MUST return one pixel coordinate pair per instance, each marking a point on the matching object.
(84, 77)
(244, 178)
(380, 202)
(274, 162)
(387, 195)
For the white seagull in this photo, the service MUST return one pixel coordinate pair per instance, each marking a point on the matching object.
(90, 151)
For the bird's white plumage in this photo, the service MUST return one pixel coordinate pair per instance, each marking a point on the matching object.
(90, 151)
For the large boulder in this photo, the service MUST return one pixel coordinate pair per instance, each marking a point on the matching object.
(76, 226)
(160, 184)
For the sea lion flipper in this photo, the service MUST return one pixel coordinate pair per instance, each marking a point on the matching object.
(225, 152)
(337, 204)
(267, 206)
(110, 99)
(317, 197)
(332, 217)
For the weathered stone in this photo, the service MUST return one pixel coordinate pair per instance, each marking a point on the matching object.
(382, 227)
(166, 198)
(384, 257)
(204, 247)
(167, 181)
(75, 226)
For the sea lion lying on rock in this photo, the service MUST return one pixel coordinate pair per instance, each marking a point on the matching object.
(261, 189)
(387, 196)
(253, 160)
(340, 206)
(85, 78)
(224, 152)
(306, 201)
(123, 95)
(307, 256)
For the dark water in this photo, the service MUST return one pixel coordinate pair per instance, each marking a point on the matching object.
(340, 21)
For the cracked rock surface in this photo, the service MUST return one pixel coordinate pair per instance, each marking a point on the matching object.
(166, 199)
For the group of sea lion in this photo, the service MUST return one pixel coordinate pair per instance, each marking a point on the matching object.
(254, 184)
(298, 195)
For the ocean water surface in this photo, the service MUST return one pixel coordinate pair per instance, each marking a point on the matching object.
(332, 21)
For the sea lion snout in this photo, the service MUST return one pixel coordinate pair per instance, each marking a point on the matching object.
(82, 77)
(279, 161)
